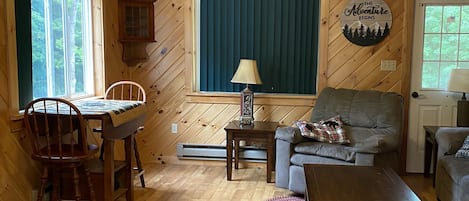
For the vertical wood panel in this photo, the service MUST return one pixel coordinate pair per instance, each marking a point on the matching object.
(18, 173)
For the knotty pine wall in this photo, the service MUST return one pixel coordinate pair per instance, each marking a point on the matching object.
(167, 78)
(18, 172)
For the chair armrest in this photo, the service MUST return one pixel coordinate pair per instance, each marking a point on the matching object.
(289, 134)
(450, 139)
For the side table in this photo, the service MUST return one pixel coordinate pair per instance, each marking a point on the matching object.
(260, 131)
(431, 147)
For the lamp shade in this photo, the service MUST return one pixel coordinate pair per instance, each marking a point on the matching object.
(459, 80)
(247, 73)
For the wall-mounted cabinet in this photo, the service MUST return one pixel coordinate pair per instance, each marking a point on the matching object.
(136, 29)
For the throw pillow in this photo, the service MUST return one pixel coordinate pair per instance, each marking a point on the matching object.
(329, 130)
(463, 152)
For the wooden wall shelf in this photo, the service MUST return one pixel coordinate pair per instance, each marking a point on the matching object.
(136, 29)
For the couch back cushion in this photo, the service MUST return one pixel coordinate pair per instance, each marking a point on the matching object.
(360, 108)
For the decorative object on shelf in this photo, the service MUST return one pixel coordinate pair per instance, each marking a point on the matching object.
(366, 22)
(459, 82)
(247, 74)
(136, 29)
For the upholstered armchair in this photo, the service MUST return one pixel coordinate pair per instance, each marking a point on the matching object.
(372, 121)
(452, 172)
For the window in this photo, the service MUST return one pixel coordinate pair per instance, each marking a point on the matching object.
(281, 35)
(54, 49)
(445, 32)
(61, 48)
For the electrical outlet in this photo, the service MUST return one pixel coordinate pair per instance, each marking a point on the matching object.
(174, 128)
(388, 65)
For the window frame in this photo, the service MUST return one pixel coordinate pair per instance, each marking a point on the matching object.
(87, 54)
(97, 20)
(195, 96)
(256, 50)
(419, 30)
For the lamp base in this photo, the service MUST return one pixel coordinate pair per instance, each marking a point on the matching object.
(245, 121)
(247, 103)
(463, 114)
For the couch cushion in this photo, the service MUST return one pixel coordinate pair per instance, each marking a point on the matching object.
(360, 108)
(301, 159)
(336, 151)
(372, 140)
(455, 167)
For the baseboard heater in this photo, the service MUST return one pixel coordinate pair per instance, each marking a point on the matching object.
(218, 152)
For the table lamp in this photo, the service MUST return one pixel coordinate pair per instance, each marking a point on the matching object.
(459, 82)
(247, 74)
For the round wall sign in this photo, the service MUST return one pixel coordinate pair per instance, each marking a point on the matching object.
(366, 22)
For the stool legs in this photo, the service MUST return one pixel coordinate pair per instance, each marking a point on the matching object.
(56, 183)
(44, 176)
(90, 184)
(76, 182)
(139, 165)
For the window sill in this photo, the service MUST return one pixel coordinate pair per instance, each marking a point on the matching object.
(16, 121)
(259, 98)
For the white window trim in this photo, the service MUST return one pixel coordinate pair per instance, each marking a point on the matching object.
(419, 14)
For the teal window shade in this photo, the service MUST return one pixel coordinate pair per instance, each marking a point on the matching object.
(24, 54)
(281, 35)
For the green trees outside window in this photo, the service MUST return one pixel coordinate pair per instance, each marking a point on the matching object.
(445, 39)
(61, 48)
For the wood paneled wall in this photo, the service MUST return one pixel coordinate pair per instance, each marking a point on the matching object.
(18, 172)
(167, 78)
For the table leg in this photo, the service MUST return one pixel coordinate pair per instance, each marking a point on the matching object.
(270, 150)
(274, 157)
(108, 169)
(229, 154)
(129, 152)
(427, 156)
(236, 152)
(435, 149)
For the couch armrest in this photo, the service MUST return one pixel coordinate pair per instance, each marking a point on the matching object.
(282, 163)
(379, 143)
(289, 134)
(286, 138)
(450, 139)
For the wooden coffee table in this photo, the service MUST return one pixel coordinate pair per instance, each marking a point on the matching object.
(354, 183)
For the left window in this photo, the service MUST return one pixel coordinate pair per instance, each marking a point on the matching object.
(54, 49)
(61, 48)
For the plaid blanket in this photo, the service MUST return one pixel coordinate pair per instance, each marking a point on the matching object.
(329, 130)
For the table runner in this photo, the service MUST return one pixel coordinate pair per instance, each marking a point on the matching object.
(120, 111)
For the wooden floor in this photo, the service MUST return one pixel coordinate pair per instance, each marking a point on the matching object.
(208, 183)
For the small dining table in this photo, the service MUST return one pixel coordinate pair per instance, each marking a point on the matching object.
(119, 121)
